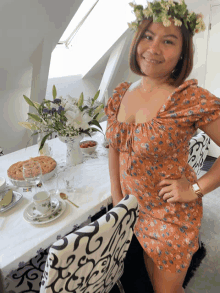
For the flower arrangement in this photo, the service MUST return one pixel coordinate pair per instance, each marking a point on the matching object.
(162, 11)
(65, 116)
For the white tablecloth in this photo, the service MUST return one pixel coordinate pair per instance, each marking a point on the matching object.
(19, 240)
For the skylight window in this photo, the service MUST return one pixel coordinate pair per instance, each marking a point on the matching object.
(78, 17)
(101, 29)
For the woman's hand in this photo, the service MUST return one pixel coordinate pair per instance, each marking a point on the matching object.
(177, 190)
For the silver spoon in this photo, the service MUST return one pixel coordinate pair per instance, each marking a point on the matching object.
(64, 196)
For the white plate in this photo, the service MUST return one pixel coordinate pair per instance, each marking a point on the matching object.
(23, 183)
(16, 196)
(40, 221)
(32, 212)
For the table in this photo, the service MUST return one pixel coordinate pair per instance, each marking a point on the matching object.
(20, 240)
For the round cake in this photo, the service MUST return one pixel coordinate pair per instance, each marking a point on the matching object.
(15, 171)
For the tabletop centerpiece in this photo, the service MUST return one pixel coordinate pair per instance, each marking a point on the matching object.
(69, 117)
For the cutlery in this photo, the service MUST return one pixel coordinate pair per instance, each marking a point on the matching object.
(64, 196)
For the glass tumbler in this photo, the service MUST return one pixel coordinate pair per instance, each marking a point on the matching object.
(67, 181)
(51, 185)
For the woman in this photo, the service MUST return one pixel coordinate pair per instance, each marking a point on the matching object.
(149, 128)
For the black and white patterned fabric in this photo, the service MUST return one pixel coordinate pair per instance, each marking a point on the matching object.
(198, 151)
(91, 259)
(1, 152)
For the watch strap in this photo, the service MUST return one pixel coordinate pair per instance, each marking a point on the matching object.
(197, 190)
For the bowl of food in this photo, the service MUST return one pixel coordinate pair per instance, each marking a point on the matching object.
(88, 146)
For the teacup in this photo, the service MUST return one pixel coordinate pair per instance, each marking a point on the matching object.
(42, 201)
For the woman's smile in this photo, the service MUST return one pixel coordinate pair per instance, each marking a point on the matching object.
(153, 61)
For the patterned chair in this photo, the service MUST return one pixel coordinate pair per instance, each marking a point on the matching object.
(91, 259)
(198, 151)
(1, 152)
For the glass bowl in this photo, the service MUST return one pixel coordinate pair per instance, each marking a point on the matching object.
(23, 183)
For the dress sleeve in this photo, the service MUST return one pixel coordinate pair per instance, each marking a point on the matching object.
(109, 108)
(207, 109)
(113, 127)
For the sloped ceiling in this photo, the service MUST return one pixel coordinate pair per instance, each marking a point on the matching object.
(24, 24)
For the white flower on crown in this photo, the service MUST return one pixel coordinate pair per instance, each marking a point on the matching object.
(199, 22)
(166, 22)
(150, 8)
(132, 4)
(200, 15)
(133, 25)
(181, 2)
(165, 6)
(177, 22)
(189, 15)
(203, 28)
(147, 12)
(171, 3)
(138, 14)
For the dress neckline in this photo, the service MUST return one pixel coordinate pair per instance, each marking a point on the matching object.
(178, 89)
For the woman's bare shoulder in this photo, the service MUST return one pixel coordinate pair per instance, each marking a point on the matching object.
(134, 86)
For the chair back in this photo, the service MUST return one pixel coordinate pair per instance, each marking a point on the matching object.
(198, 151)
(1, 152)
(91, 259)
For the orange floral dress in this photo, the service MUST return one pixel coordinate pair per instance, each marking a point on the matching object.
(157, 150)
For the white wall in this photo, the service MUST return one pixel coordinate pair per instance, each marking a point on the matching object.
(73, 86)
(29, 31)
(200, 41)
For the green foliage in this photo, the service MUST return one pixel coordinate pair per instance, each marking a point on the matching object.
(44, 139)
(138, 7)
(81, 99)
(54, 92)
(95, 97)
(159, 9)
(35, 117)
(30, 103)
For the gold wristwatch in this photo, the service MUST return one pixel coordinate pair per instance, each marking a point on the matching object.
(197, 190)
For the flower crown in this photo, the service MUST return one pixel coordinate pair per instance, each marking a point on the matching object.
(162, 10)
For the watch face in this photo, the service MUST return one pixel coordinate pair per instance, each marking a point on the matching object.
(196, 187)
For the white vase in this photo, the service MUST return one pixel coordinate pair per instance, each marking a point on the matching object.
(74, 154)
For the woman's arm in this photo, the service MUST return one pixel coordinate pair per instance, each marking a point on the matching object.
(114, 172)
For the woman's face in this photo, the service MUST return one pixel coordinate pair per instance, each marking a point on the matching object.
(159, 50)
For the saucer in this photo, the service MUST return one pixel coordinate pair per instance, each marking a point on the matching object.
(32, 212)
(44, 220)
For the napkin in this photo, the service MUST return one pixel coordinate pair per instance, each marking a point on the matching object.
(6, 199)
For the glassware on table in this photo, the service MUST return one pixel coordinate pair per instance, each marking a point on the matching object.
(51, 185)
(32, 173)
(66, 181)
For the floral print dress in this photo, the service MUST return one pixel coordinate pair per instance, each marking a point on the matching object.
(156, 150)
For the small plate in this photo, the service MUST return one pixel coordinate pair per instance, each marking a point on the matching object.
(16, 196)
(40, 221)
(32, 212)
